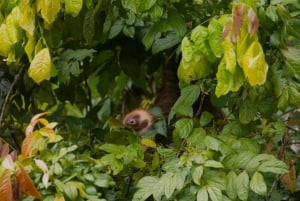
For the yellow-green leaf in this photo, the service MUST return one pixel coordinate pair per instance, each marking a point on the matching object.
(224, 78)
(30, 47)
(27, 21)
(148, 142)
(49, 9)
(12, 26)
(229, 57)
(5, 43)
(195, 69)
(40, 67)
(254, 65)
(73, 7)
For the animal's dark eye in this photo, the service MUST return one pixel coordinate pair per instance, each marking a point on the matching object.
(131, 122)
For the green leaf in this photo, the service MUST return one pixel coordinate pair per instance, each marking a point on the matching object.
(213, 164)
(146, 186)
(212, 143)
(205, 118)
(202, 194)
(177, 23)
(275, 166)
(292, 27)
(215, 194)
(292, 60)
(118, 150)
(242, 185)
(73, 7)
(257, 184)
(167, 42)
(196, 138)
(184, 104)
(271, 13)
(254, 65)
(257, 160)
(71, 191)
(49, 9)
(247, 112)
(103, 180)
(116, 28)
(40, 67)
(169, 184)
(197, 174)
(143, 5)
(231, 187)
(184, 127)
(89, 25)
(283, 101)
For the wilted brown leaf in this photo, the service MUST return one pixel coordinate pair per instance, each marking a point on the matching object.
(238, 17)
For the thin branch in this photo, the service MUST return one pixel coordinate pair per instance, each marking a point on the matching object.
(7, 97)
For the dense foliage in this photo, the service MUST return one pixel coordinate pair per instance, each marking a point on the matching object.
(71, 69)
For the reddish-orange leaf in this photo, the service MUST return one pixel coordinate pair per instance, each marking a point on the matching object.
(25, 183)
(29, 143)
(33, 122)
(6, 192)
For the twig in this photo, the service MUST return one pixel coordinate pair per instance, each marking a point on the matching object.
(9, 94)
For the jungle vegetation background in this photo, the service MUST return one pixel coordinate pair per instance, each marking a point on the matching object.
(86, 63)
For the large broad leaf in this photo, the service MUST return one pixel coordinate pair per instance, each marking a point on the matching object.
(225, 80)
(5, 43)
(196, 69)
(73, 7)
(184, 103)
(215, 193)
(202, 194)
(27, 21)
(247, 112)
(183, 127)
(231, 188)
(143, 5)
(215, 30)
(197, 174)
(165, 43)
(258, 184)
(242, 185)
(146, 187)
(40, 67)
(49, 9)
(275, 166)
(254, 65)
(12, 25)
(292, 60)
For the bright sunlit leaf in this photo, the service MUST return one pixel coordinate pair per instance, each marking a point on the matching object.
(40, 67)
(254, 65)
